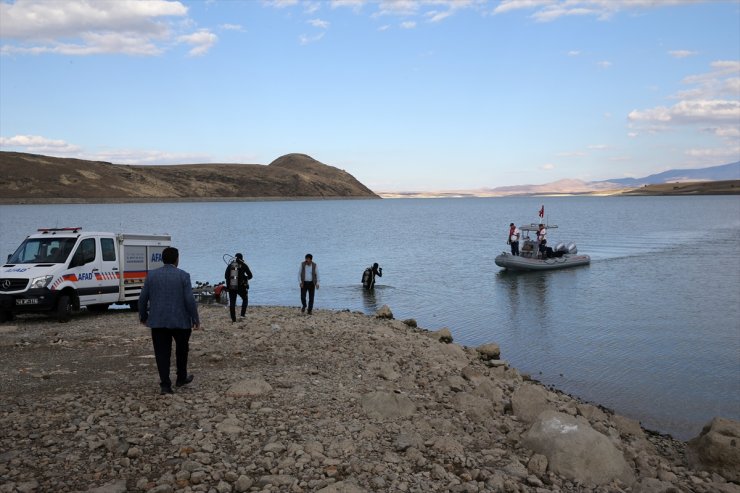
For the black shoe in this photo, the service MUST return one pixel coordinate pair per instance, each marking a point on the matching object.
(165, 389)
(303, 309)
(309, 312)
(187, 380)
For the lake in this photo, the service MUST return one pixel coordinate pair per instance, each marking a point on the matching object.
(650, 329)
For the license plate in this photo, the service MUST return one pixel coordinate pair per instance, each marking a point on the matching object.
(27, 301)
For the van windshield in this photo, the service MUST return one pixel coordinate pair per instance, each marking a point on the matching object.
(43, 251)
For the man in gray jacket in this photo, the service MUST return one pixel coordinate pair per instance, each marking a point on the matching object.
(167, 306)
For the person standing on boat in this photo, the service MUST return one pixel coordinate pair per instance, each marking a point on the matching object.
(513, 240)
(542, 239)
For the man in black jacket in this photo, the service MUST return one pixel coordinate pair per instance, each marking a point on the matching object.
(237, 283)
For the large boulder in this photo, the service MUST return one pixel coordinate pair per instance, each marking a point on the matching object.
(528, 401)
(250, 387)
(384, 312)
(489, 351)
(576, 451)
(387, 405)
(717, 449)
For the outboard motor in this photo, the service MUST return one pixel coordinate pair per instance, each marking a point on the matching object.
(572, 249)
(560, 247)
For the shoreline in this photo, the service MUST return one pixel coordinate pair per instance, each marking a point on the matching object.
(334, 402)
(163, 200)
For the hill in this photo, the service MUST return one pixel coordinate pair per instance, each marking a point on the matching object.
(723, 173)
(713, 173)
(719, 187)
(36, 178)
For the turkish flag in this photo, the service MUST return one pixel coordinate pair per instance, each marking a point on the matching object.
(542, 211)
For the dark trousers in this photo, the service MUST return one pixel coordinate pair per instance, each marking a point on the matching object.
(310, 288)
(162, 340)
(244, 295)
(515, 248)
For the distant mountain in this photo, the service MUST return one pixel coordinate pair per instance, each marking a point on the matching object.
(714, 173)
(723, 172)
(37, 178)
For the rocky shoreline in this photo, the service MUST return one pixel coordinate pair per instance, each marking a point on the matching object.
(333, 402)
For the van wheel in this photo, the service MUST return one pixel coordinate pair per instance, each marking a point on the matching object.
(64, 309)
(6, 316)
(133, 306)
(99, 308)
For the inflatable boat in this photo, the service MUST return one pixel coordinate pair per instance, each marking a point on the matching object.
(533, 256)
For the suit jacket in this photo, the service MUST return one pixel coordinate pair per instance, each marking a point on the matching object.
(167, 300)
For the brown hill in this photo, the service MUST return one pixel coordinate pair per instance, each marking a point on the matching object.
(36, 178)
(721, 187)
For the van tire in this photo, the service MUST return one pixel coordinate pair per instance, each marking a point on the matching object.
(133, 305)
(6, 316)
(64, 309)
(99, 308)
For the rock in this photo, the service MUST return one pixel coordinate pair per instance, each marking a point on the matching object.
(387, 372)
(477, 409)
(537, 465)
(118, 486)
(410, 322)
(243, 484)
(342, 487)
(590, 412)
(230, 426)
(249, 388)
(489, 351)
(387, 405)
(442, 335)
(717, 449)
(528, 401)
(627, 426)
(384, 312)
(575, 450)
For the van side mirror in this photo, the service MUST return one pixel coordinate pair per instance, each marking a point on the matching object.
(9, 255)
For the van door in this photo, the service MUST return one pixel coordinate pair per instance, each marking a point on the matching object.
(82, 269)
(108, 277)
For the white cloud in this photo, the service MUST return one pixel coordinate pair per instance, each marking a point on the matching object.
(711, 107)
(574, 53)
(305, 39)
(435, 16)
(693, 111)
(408, 24)
(319, 23)
(547, 166)
(280, 4)
(604, 64)
(682, 53)
(232, 27)
(730, 152)
(598, 147)
(88, 27)
(36, 143)
(145, 157)
(202, 41)
(551, 10)
(571, 154)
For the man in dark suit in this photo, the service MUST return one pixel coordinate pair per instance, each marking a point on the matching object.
(167, 306)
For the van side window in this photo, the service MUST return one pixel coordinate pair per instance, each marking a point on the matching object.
(108, 248)
(85, 253)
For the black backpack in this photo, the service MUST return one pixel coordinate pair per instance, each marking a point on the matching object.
(367, 277)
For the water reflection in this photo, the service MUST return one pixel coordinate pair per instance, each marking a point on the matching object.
(527, 297)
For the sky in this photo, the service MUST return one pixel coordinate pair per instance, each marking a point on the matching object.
(404, 95)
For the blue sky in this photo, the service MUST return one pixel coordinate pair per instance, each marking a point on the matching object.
(404, 95)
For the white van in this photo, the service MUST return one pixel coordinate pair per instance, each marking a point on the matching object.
(58, 270)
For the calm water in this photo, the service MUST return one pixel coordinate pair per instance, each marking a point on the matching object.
(651, 328)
